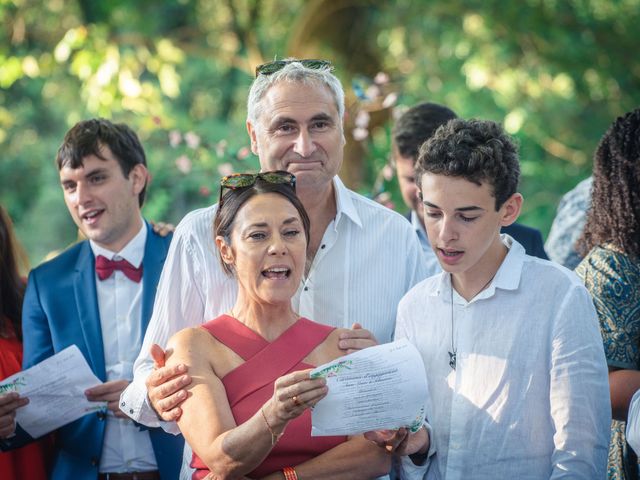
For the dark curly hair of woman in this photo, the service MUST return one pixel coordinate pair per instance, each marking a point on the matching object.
(11, 285)
(614, 216)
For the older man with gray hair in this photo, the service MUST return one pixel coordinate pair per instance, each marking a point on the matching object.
(362, 257)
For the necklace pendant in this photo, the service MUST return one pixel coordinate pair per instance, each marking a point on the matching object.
(452, 360)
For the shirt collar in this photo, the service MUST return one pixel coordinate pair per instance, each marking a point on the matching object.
(507, 277)
(344, 203)
(132, 252)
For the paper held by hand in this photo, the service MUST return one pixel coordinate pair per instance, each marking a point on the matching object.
(378, 388)
(55, 388)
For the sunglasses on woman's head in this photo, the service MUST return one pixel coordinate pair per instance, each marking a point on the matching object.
(273, 67)
(244, 180)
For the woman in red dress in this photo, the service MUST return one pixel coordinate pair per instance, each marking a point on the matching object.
(247, 411)
(27, 462)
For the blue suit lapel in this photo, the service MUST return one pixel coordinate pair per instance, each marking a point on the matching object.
(155, 252)
(84, 287)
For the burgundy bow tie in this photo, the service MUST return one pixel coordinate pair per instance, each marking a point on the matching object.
(106, 267)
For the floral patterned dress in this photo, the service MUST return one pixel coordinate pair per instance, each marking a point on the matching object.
(613, 279)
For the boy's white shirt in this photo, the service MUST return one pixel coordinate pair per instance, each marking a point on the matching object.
(531, 382)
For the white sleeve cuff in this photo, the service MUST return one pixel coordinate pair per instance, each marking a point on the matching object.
(135, 404)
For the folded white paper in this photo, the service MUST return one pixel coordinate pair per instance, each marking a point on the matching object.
(55, 388)
(378, 388)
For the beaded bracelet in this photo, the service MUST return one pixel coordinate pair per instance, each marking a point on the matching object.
(274, 436)
(290, 473)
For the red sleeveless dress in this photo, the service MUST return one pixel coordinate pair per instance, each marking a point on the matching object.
(250, 385)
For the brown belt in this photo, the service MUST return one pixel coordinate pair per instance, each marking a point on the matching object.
(153, 475)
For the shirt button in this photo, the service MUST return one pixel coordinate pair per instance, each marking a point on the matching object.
(306, 289)
(131, 411)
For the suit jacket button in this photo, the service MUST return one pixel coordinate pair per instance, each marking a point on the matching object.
(102, 415)
(94, 461)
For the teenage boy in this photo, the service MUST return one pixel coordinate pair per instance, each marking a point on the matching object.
(510, 343)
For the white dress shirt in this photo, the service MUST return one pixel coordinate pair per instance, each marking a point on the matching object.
(633, 423)
(368, 259)
(530, 397)
(126, 448)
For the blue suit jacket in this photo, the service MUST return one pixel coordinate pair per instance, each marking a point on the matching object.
(61, 309)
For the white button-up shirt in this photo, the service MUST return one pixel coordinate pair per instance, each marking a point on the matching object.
(529, 398)
(368, 259)
(126, 448)
(633, 423)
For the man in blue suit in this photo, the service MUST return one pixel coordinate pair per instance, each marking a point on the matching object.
(410, 131)
(99, 295)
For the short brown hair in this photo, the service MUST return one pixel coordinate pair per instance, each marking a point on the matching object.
(89, 136)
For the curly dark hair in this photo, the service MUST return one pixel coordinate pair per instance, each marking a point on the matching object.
(89, 136)
(476, 150)
(11, 285)
(417, 125)
(614, 215)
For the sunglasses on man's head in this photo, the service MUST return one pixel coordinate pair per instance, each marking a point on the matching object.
(273, 67)
(244, 180)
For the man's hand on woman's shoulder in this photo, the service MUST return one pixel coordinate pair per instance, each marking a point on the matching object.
(166, 386)
(356, 339)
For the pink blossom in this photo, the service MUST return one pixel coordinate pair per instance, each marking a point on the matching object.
(175, 137)
(387, 172)
(183, 163)
(362, 119)
(390, 100)
(243, 153)
(373, 91)
(204, 191)
(192, 140)
(381, 78)
(225, 169)
(359, 134)
(221, 147)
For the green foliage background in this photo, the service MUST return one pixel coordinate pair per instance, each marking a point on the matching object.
(556, 73)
